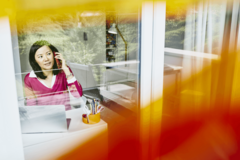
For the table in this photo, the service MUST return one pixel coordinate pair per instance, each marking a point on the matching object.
(49, 146)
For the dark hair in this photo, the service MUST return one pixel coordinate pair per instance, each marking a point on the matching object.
(36, 68)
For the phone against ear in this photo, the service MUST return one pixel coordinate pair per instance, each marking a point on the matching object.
(59, 62)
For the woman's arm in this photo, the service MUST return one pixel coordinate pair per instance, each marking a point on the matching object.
(72, 83)
(30, 96)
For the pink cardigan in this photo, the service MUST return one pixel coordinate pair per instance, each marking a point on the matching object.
(38, 94)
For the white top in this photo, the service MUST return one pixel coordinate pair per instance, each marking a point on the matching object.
(33, 75)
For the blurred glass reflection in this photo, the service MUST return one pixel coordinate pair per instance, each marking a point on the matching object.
(201, 91)
(201, 71)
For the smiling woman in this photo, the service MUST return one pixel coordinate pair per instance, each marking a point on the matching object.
(44, 58)
(49, 82)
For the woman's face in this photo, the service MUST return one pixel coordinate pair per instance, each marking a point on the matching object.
(44, 58)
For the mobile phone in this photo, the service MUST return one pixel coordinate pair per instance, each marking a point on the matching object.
(59, 62)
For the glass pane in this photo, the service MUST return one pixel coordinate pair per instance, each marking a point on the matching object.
(199, 48)
(185, 23)
(74, 35)
(71, 59)
(175, 27)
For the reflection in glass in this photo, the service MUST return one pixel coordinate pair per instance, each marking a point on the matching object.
(80, 36)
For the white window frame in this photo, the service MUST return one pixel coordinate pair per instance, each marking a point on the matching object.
(10, 133)
(151, 72)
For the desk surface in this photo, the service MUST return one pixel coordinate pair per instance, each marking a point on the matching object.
(76, 126)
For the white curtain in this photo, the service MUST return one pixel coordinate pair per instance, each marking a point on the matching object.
(203, 35)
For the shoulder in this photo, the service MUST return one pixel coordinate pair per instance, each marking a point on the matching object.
(27, 80)
(30, 77)
(26, 77)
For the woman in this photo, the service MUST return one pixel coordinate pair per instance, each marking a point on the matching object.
(47, 84)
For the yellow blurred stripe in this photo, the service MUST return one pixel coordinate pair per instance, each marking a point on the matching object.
(9, 7)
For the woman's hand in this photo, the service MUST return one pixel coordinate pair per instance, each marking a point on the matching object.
(59, 56)
(64, 66)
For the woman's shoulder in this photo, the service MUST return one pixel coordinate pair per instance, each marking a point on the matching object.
(27, 80)
(29, 77)
(26, 77)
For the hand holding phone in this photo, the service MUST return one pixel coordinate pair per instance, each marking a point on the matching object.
(59, 62)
